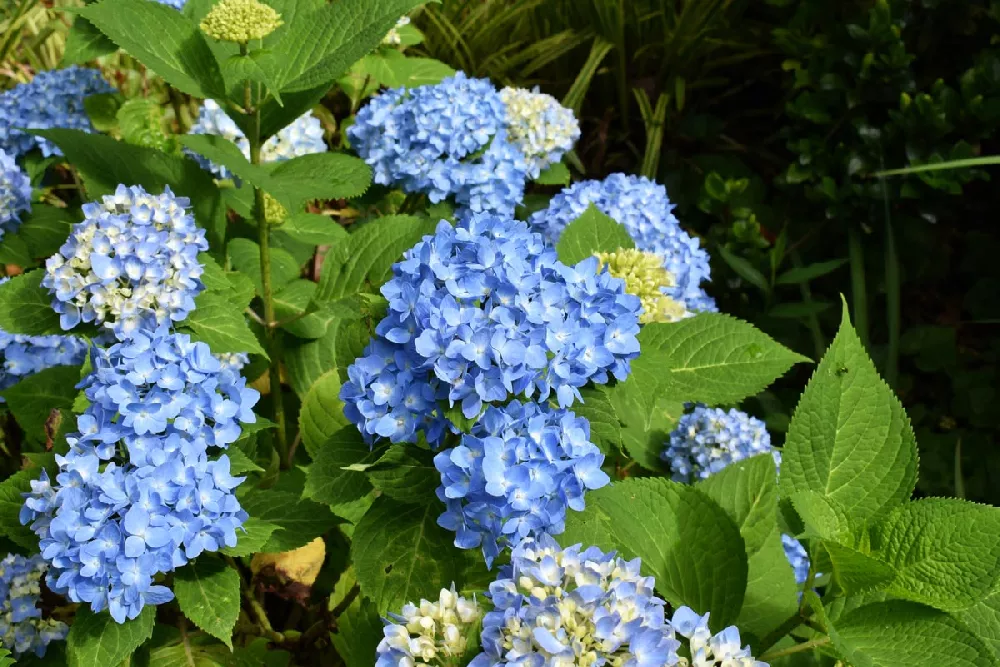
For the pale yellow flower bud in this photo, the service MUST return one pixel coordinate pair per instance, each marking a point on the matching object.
(240, 21)
(644, 277)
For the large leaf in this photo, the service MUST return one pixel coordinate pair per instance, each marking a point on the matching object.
(849, 438)
(294, 304)
(85, 42)
(245, 257)
(221, 323)
(33, 399)
(336, 476)
(208, 593)
(772, 594)
(299, 520)
(591, 233)
(748, 491)
(358, 633)
(322, 412)
(96, 639)
(984, 620)
(405, 473)
(645, 417)
(906, 634)
(712, 358)
(685, 540)
(321, 176)
(26, 306)
(45, 230)
(223, 152)
(944, 552)
(251, 538)
(400, 554)
(314, 229)
(162, 39)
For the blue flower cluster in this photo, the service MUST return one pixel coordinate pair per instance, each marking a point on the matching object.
(131, 263)
(448, 139)
(431, 633)
(643, 207)
(706, 440)
(556, 606)
(51, 100)
(797, 557)
(15, 194)
(303, 137)
(137, 494)
(515, 474)
(176, 4)
(481, 313)
(708, 650)
(22, 628)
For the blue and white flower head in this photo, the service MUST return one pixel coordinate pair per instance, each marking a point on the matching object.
(176, 4)
(234, 361)
(555, 607)
(541, 128)
(393, 38)
(445, 140)
(431, 634)
(515, 474)
(304, 136)
(797, 557)
(707, 650)
(644, 209)
(23, 630)
(482, 313)
(53, 99)
(707, 440)
(15, 194)
(137, 494)
(132, 262)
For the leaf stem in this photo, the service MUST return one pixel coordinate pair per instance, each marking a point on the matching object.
(263, 623)
(798, 648)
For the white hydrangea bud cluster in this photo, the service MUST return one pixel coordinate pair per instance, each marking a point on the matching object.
(393, 38)
(707, 650)
(430, 634)
(539, 126)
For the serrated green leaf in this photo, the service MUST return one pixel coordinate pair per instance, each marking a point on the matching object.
(684, 538)
(321, 176)
(314, 229)
(33, 399)
(983, 619)
(748, 492)
(358, 633)
(906, 634)
(45, 229)
(299, 520)
(849, 438)
(221, 323)
(305, 318)
(141, 122)
(96, 639)
(744, 269)
(823, 517)
(11, 501)
(26, 306)
(406, 474)
(246, 68)
(223, 152)
(208, 592)
(605, 429)
(591, 233)
(772, 594)
(252, 538)
(556, 174)
(13, 250)
(400, 553)
(240, 463)
(85, 43)
(944, 552)
(188, 656)
(806, 273)
(364, 262)
(322, 413)
(307, 361)
(411, 71)
(179, 53)
(712, 358)
(329, 480)
(856, 572)
(244, 255)
(5, 659)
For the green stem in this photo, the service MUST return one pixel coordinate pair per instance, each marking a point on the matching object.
(798, 648)
(271, 334)
(893, 289)
(859, 292)
(819, 343)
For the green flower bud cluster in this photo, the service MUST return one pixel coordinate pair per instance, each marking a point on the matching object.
(644, 277)
(240, 21)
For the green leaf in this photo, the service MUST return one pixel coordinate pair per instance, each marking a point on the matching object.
(307, 361)
(321, 176)
(591, 233)
(406, 474)
(11, 501)
(305, 318)
(5, 659)
(314, 229)
(102, 109)
(945, 552)
(748, 492)
(823, 517)
(401, 554)
(412, 72)
(208, 592)
(299, 521)
(45, 229)
(984, 621)
(804, 274)
(252, 538)
(328, 479)
(246, 68)
(364, 262)
(26, 306)
(223, 152)
(856, 572)
(556, 174)
(13, 250)
(179, 52)
(244, 255)
(645, 416)
(96, 639)
(259, 653)
(849, 438)
(85, 43)
(712, 358)
(772, 593)
(358, 633)
(221, 323)
(596, 408)
(240, 463)
(906, 634)
(33, 399)
(745, 270)
(322, 413)
(684, 538)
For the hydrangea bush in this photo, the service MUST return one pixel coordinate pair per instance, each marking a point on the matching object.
(409, 424)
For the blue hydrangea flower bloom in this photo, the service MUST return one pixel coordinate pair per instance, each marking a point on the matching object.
(303, 137)
(706, 440)
(445, 140)
(137, 495)
(555, 606)
(479, 314)
(514, 476)
(797, 557)
(708, 650)
(132, 262)
(52, 99)
(15, 194)
(428, 633)
(22, 628)
(643, 207)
